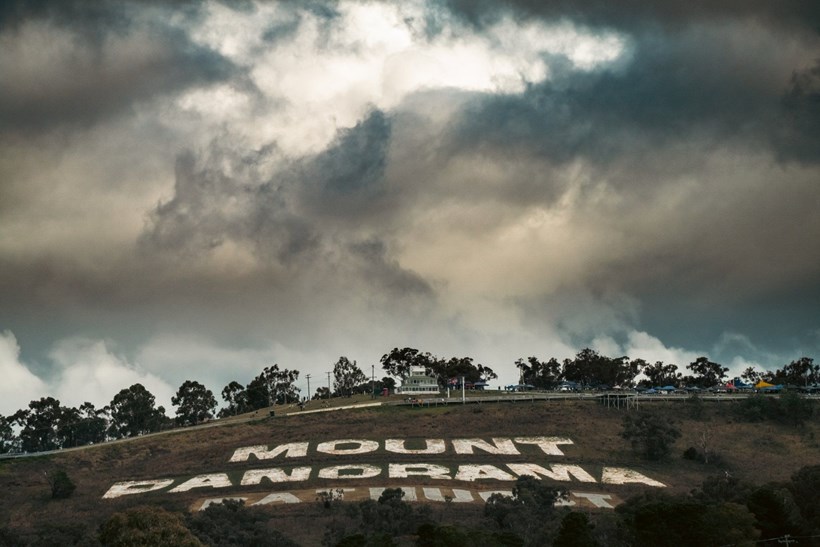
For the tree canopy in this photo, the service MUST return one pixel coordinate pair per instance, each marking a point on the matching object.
(133, 413)
(195, 403)
(346, 376)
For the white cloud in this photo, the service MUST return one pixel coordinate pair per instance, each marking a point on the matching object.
(641, 345)
(325, 76)
(88, 371)
(19, 386)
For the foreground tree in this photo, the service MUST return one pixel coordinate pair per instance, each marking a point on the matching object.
(804, 486)
(575, 531)
(146, 526)
(133, 413)
(232, 523)
(651, 435)
(529, 513)
(660, 520)
(346, 376)
(195, 403)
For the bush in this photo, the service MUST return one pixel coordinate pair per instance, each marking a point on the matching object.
(794, 408)
(658, 520)
(789, 408)
(804, 487)
(231, 523)
(61, 485)
(696, 407)
(650, 435)
(575, 531)
(529, 513)
(146, 526)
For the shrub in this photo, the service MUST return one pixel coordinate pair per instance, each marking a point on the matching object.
(61, 486)
(575, 531)
(148, 526)
(658, 519)
(789, 408)
(650, 435)
(231, 523)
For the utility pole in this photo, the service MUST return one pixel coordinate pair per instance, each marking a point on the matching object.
(372, 381)
(307, 377)
(328, 384)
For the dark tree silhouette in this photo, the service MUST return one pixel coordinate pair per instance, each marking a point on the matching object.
(707, 373)
(346, 376)
(133, 413)
(39, 425)
(9, 442)
(195, 403)
(236, 397)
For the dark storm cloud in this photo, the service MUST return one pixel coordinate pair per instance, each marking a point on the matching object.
(211, 207)
(105, 58)
(703, 96)
(312, 212)
(801, 127)
(634, 14)
(690, 85)
(347, 178)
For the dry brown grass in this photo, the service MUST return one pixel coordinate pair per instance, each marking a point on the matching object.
(755, 452)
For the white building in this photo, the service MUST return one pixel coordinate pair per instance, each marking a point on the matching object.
(418, 383)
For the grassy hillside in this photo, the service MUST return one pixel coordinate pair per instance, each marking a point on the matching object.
(755, 452)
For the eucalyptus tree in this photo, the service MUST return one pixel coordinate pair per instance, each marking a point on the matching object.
(195, 403)
(133, 412)
(346, 376)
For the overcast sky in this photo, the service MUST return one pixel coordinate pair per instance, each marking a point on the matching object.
(196, 191)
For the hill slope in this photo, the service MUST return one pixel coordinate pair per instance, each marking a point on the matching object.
(195, 464)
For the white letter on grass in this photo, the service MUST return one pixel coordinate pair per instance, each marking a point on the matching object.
(291, 450)
(404, 470)
(349, 472)
(503, 445)
(364, 447)
(558, 472)
(213, 480)
(275, 474)
(125, 488)
(481, 472)
(434, 446)
(548, 444)
(622, 475)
